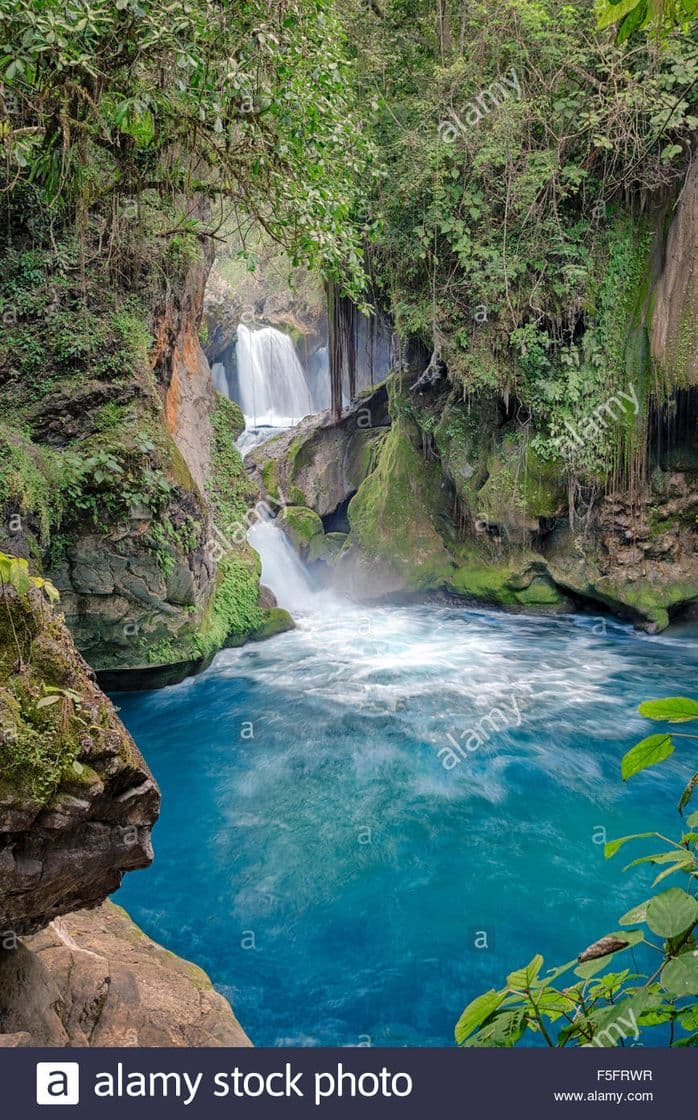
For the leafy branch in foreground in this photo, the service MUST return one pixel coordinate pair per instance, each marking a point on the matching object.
(14, 572)
(103, 105)
(660, 17)
(594, 1007)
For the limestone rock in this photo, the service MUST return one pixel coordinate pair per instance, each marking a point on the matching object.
(94, 979)
(320, 464)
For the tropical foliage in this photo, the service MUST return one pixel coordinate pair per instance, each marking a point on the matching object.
(205, 107)
(520, 149)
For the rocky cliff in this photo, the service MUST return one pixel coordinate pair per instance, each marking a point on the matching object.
(94, 979)
(77, 805)
(77, 801)
(116, 448)
(463, 490)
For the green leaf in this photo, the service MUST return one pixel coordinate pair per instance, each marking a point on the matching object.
(632, 22)
(680, 865)
(676, 855)
(606, 14)
(476, 1012)
(524, 977)
(686, 797)
(612, 846)
(672, 913)
(674, 709)
(648, 752)
(505, 1030)
(45, 701)
(637, 914)
(680, 976)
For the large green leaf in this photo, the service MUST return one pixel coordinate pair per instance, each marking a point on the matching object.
(504, 1030)
(632, 22)
(680, 976)
(607, 13)
(476, 1013)
(672, 913)
(524, 977)
(673, 709)
(612, 846)
(648, 752)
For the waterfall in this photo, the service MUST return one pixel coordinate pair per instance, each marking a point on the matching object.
(272, 385)
(220, 379)
(282, 569)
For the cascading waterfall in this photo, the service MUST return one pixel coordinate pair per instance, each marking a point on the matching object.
(272, 385)
(220, 379)
(282, 570)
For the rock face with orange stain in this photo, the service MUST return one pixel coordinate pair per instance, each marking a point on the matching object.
(182, 371)
(136, 556)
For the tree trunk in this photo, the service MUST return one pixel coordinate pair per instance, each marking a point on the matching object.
(341, 319)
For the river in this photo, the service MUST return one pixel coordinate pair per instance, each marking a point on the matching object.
(320, 853)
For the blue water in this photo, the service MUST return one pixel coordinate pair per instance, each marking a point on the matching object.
(333, 877)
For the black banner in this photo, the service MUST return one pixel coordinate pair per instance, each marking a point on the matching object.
(346, 1083)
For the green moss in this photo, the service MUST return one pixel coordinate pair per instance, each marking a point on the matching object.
(232, 613)
(229, 487)
(393, 515)
(300, 454)
(228, 417)
(270, 478)
(178, 468)
(521, 486)
(506, 584)
(297, 496)
(302, 525)
(27, 481)
(276, 621)
(42, 743)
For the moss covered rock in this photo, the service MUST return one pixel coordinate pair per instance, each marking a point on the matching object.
(305, 530)
(77, 801)
(320, 464)
(276, 621)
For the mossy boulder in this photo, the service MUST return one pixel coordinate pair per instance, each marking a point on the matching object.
(305, 530)
(276, 621)
(508, 583)
(320, 464)
(394, 514)
(521, 489)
